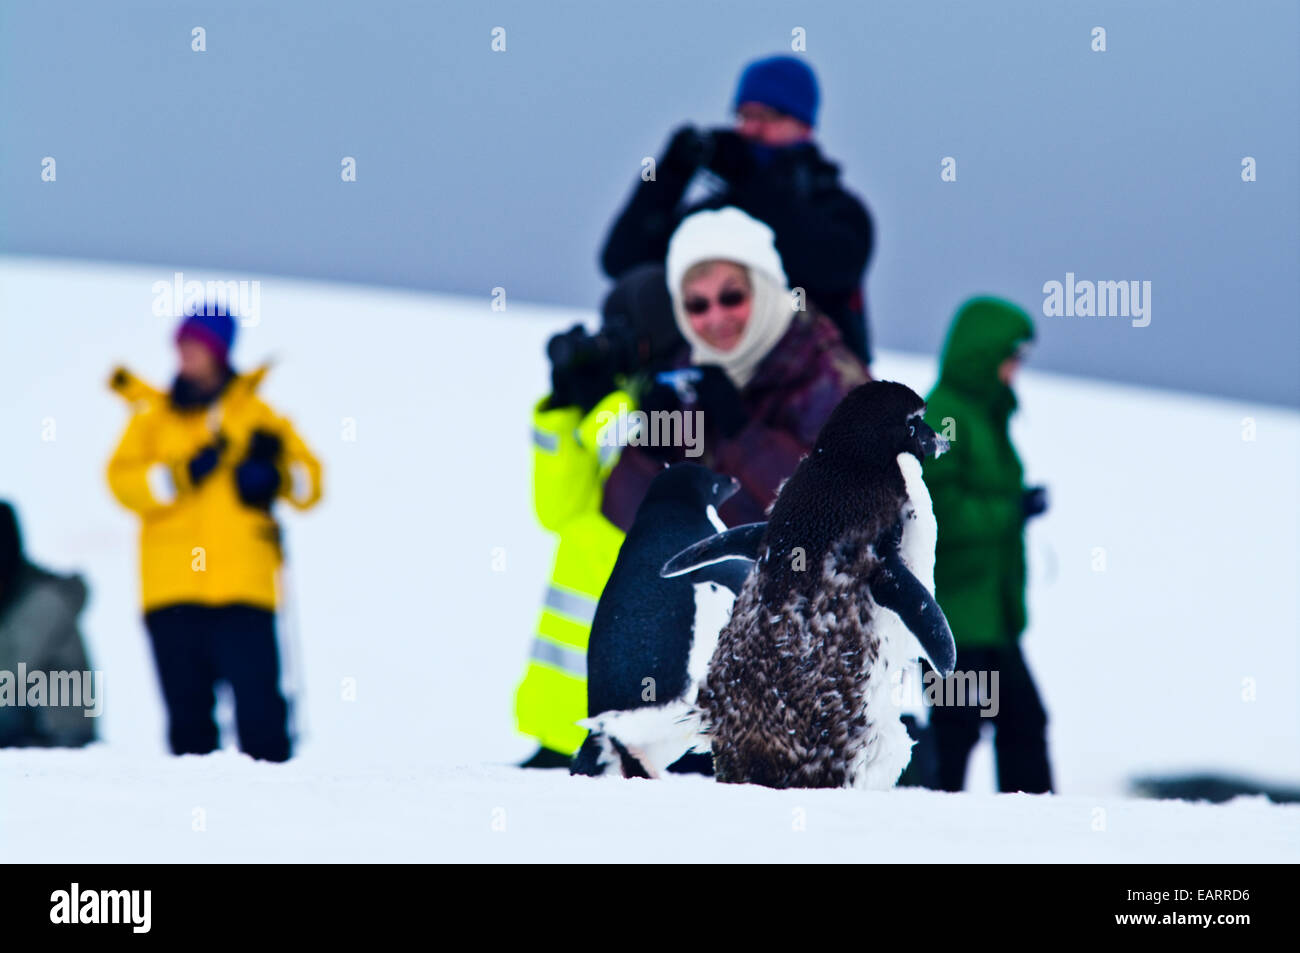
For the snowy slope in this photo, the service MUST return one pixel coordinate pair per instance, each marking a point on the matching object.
(1142, 665)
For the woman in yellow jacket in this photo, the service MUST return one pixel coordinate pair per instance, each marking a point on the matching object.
(202, 465)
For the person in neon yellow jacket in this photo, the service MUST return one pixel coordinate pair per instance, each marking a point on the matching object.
(593, 376)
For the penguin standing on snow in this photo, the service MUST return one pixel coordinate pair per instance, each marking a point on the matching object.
(798, 693)
(651, 638)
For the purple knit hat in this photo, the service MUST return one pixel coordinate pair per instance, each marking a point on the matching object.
(215, 330)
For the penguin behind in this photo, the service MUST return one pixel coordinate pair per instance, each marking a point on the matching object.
(798, 690)
(651, 638)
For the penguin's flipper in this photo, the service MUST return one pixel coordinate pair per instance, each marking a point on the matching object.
(739, 542)
(729, 573)
(894, 586)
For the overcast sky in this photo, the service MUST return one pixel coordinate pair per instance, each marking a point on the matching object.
(478, 169)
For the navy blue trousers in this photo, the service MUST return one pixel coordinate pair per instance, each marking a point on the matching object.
(194, 647)
(1019, 727)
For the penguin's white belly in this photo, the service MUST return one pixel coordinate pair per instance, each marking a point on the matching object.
(888, 747)
(920, 531)
(713, 604)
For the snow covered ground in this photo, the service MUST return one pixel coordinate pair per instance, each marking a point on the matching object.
(1164, 632)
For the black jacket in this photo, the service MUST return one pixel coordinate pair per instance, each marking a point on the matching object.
(823, 233)
(38, 627)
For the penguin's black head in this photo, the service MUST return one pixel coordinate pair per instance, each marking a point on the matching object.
(924, 441)
(876, 422)
(692, 483)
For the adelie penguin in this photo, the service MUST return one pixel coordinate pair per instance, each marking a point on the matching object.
(798, 693)
(652, 638)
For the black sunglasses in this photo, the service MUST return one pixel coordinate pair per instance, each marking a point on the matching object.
(730, 298)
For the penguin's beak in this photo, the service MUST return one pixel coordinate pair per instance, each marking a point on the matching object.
(932, 445)
(724, 488)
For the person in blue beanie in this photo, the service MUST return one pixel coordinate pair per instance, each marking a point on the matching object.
(768, 166)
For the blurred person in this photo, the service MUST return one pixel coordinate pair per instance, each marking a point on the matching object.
(38, 630)
(767, 165)
(981, 505)
(762, 375)
(203, 465)
(592, 376)
(922, 769)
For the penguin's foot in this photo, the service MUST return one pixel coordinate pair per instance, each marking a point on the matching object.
(654, 736)
(545, 757)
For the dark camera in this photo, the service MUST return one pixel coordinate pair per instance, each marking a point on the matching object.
(613, 347)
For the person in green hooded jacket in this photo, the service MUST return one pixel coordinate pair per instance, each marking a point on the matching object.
(981, 505)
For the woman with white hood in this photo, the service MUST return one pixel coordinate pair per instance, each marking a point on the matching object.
(770, 368)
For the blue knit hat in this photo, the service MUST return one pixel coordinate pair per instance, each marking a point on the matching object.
(214, 330)
(785, 83)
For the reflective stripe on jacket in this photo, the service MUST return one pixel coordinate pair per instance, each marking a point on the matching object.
(572, 458)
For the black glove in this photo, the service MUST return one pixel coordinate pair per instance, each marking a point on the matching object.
(257, 478)
(685, 151)
(720, 400)
(200, 466)
(660, 397)
(1033, 502)
(729, 156)
(264, 445)
(591, 384)
(258, 482)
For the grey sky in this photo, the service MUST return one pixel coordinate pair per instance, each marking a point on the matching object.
(479, 169)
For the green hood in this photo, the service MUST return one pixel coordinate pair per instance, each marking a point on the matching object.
(985, 332)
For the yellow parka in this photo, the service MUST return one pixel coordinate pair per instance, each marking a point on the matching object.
(203, 544)
(570, 465)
